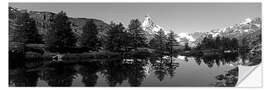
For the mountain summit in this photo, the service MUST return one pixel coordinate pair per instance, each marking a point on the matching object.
(149, 26)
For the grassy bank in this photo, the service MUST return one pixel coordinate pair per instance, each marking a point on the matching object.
(208, 52)
(86, 55)
(103, 54)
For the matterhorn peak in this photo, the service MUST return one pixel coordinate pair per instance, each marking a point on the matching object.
(149, 25)
(147, 22)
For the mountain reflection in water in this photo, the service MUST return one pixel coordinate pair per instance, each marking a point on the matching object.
(220, 70)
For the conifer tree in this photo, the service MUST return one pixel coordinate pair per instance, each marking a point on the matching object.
(218, 43)
(89, 38)
(117, 38)
(137, 34)
(234, 43)
(60, 37)
(171, 41)
(159, 42)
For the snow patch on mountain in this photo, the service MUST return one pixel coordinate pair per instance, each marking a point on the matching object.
(246, 21)
(149, 26)
(215, 34)
(157, 28)
(246, 26)
(185, 35)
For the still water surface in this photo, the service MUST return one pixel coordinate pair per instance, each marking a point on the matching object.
(166, 71)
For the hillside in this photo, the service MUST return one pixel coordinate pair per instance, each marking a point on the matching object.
(44, 20)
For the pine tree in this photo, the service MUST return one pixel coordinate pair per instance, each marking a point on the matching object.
(234, 43)
(210, 42)
(117, 38)
(60, 37)
(171, 41)
(226, 43)
(138, 38)
(203, 44)
(89, 38)
(159, 41)
(218, 43)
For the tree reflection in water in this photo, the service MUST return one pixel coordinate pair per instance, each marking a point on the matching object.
(89, 73)
(22, 78)
(59, 74)
(217, 59)
(164, 66)
(137, 74)
(117, 71)
(230, 78)
(251, 59)
(172, 67)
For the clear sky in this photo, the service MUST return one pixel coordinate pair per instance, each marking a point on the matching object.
(179, 17)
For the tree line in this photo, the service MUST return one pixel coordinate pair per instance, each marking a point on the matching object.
(221, 43)
(61, 38)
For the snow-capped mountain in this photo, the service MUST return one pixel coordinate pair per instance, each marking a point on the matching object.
(149, 26)
(237, 30)
(185, 35)
(244, 28)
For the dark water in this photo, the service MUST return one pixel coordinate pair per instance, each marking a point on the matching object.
(219, 70)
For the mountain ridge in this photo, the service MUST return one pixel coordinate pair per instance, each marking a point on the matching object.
(236, 30)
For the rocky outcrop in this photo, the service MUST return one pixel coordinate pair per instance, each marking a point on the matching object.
(254, 43)
(43, 20)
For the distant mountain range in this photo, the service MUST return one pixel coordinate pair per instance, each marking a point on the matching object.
(239, 31)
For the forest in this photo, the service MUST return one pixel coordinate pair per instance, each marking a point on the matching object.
(120, 41)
